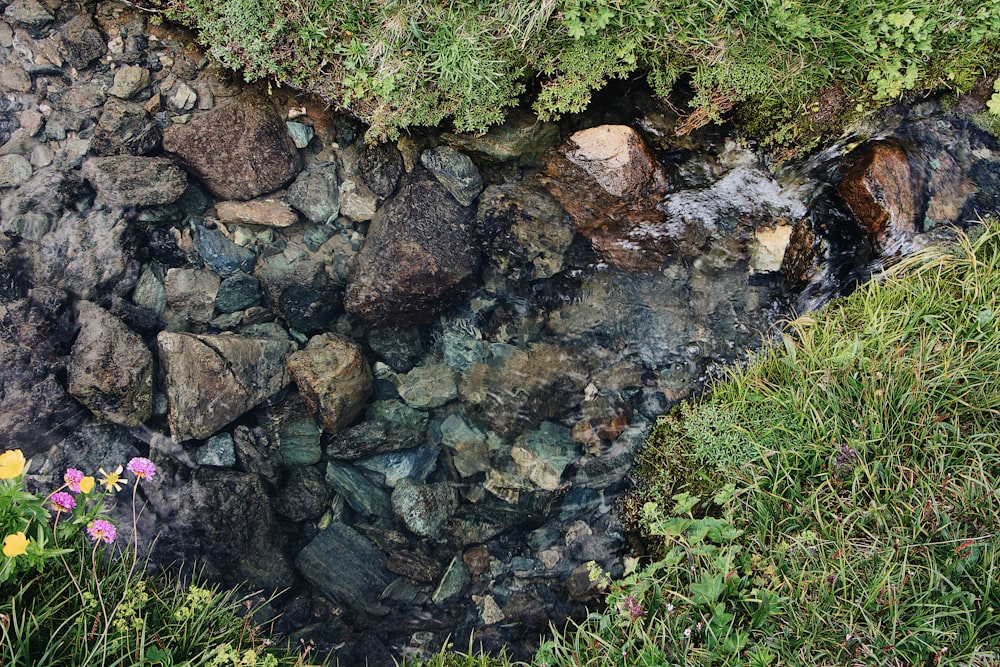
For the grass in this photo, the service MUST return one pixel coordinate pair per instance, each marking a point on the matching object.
(400, 63)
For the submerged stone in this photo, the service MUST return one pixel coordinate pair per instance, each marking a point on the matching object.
(364, 496)
(346, 566)
(455, 172)
(333, 378)
(424, 508)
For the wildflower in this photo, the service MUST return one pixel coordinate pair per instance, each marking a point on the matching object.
(670, 608)
(102, 531)
(141, 467)
(633, 607)
(73, 477)
(11, 464)
(112, 481)
(687, 633)
(15, 545)
(62, 502)
(87, 484)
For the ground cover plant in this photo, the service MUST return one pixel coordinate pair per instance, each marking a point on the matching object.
(794, 66)
(72, 595)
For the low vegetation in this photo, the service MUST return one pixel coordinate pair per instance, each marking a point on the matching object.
(793, 67)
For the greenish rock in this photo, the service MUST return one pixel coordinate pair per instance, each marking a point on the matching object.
(14, 170)
(301, 134)
(237, 292)
(469, 452)
(412, 464)
(460, 345)
(614, 464)
(29, 226)
(316, 235)
(364, 496)
(129, 80)
(293, 429)
(428, 386)
(553, 443)
(218, 451)
(389, 426)
(455, 172)
(424, 508)
(346, 566)
(306, 496)
(316, 194)
(455, 578)
(166, 214)
(522, 138)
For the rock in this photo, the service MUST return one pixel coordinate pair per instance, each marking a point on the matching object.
(45, 194)
(421, 256)
(428, 386)
(522, 138)
(212, 380)
(14, 78)
(305, 498)
(609, 182)
(529, 231)
(14, 170)
(412, 464)
(380, 167)
(149, 292)
(224, 256)
(357, 202)
(300, 290)
(879, 191)
(301, 134)
(949, 190)
(400, 348)
(507, 486)
(125, 129)
(89, 255)
(469, 453)
(237, 292)
(111, 369)
(184, 98)
(239, 150)
(490, 612)
(82, 41)
(316, 194)
(455, 172)
(191, 293)
(424, 508)
(768, 249)
(239, 541)
(263, 212)
(128, 180)
(30, 15)
(6, 37)
(548, 448)
(218, 451)
(333, 378)
(129, 80)
(345, 566)
(455, 579)
(363, 495)
(388, 426)
(294, 431)
(78, 100)
(579, 585)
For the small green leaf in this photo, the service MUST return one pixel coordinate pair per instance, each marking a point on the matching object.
(994, 104)
(708, 589)
(685, 503)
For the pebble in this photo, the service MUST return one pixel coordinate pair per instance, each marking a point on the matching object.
(14, 170)
(6, 35)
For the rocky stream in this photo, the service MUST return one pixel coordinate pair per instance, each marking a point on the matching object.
(402, 383)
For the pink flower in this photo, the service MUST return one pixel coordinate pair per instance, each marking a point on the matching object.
(102, 531)
(141, 467)
(62, 502)
(73, 477)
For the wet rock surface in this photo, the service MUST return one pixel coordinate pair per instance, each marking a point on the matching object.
(410, 392)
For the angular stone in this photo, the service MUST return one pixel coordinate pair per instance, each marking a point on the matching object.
(363, 495)
(294, 431)
(388, 426)
(424, 508)
(357, 202)
(333, 378)
(111, 369)
(768, 249)
(224, 256)
(609, 182)
(239, 150)
(455, 579)
(191, 293)
(212, 380)
(345, 566)
(428, 386)
(263, 212)
(421, 256)
(380, 167)
(82, 41)
(301, 134)
(46, 193)
(184, 98)
(306, 497)
(29, 14)
(218, 451)
(413, 464)
(125, 129)
(237, 292)
(455, 172)
(469, 453)
(14, 170)
(300, 290)
(521, 138)
(129, 80)
(316, 194)
(128, 180)
(14, 78)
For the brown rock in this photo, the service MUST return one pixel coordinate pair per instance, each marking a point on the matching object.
(609, 182)
(263, 212)
(333, 378)
(239, 150)
(801, 261)
(882, 195)
(129, 180)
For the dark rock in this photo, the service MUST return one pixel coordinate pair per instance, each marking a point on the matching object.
(45, 194)
(316, 194)
(128, 180)
(238, 150)
(255, 453)
(111, 369)
(421, 256)
(364, 496)
(333, 378)
(879, 191)
(400, 348)
(82, 41)
(345, 566)
(8, 125)
(414, 566)
(125, 128)
(381, 166)
(415, 464)
(305, 498)
(212, 380)
(424, 508)
(455, 172)
(30, 15)
(522, 138)
(300, 290)
(388, 426)
(609, 182)
(237, 292)
(224, 256)
(218, 451)
(294, 431)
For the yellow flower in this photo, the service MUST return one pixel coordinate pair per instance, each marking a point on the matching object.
(112, 481)
(11, 464)
(15, 545)
(87, 484)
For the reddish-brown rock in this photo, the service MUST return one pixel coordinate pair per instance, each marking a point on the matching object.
(333, 379)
